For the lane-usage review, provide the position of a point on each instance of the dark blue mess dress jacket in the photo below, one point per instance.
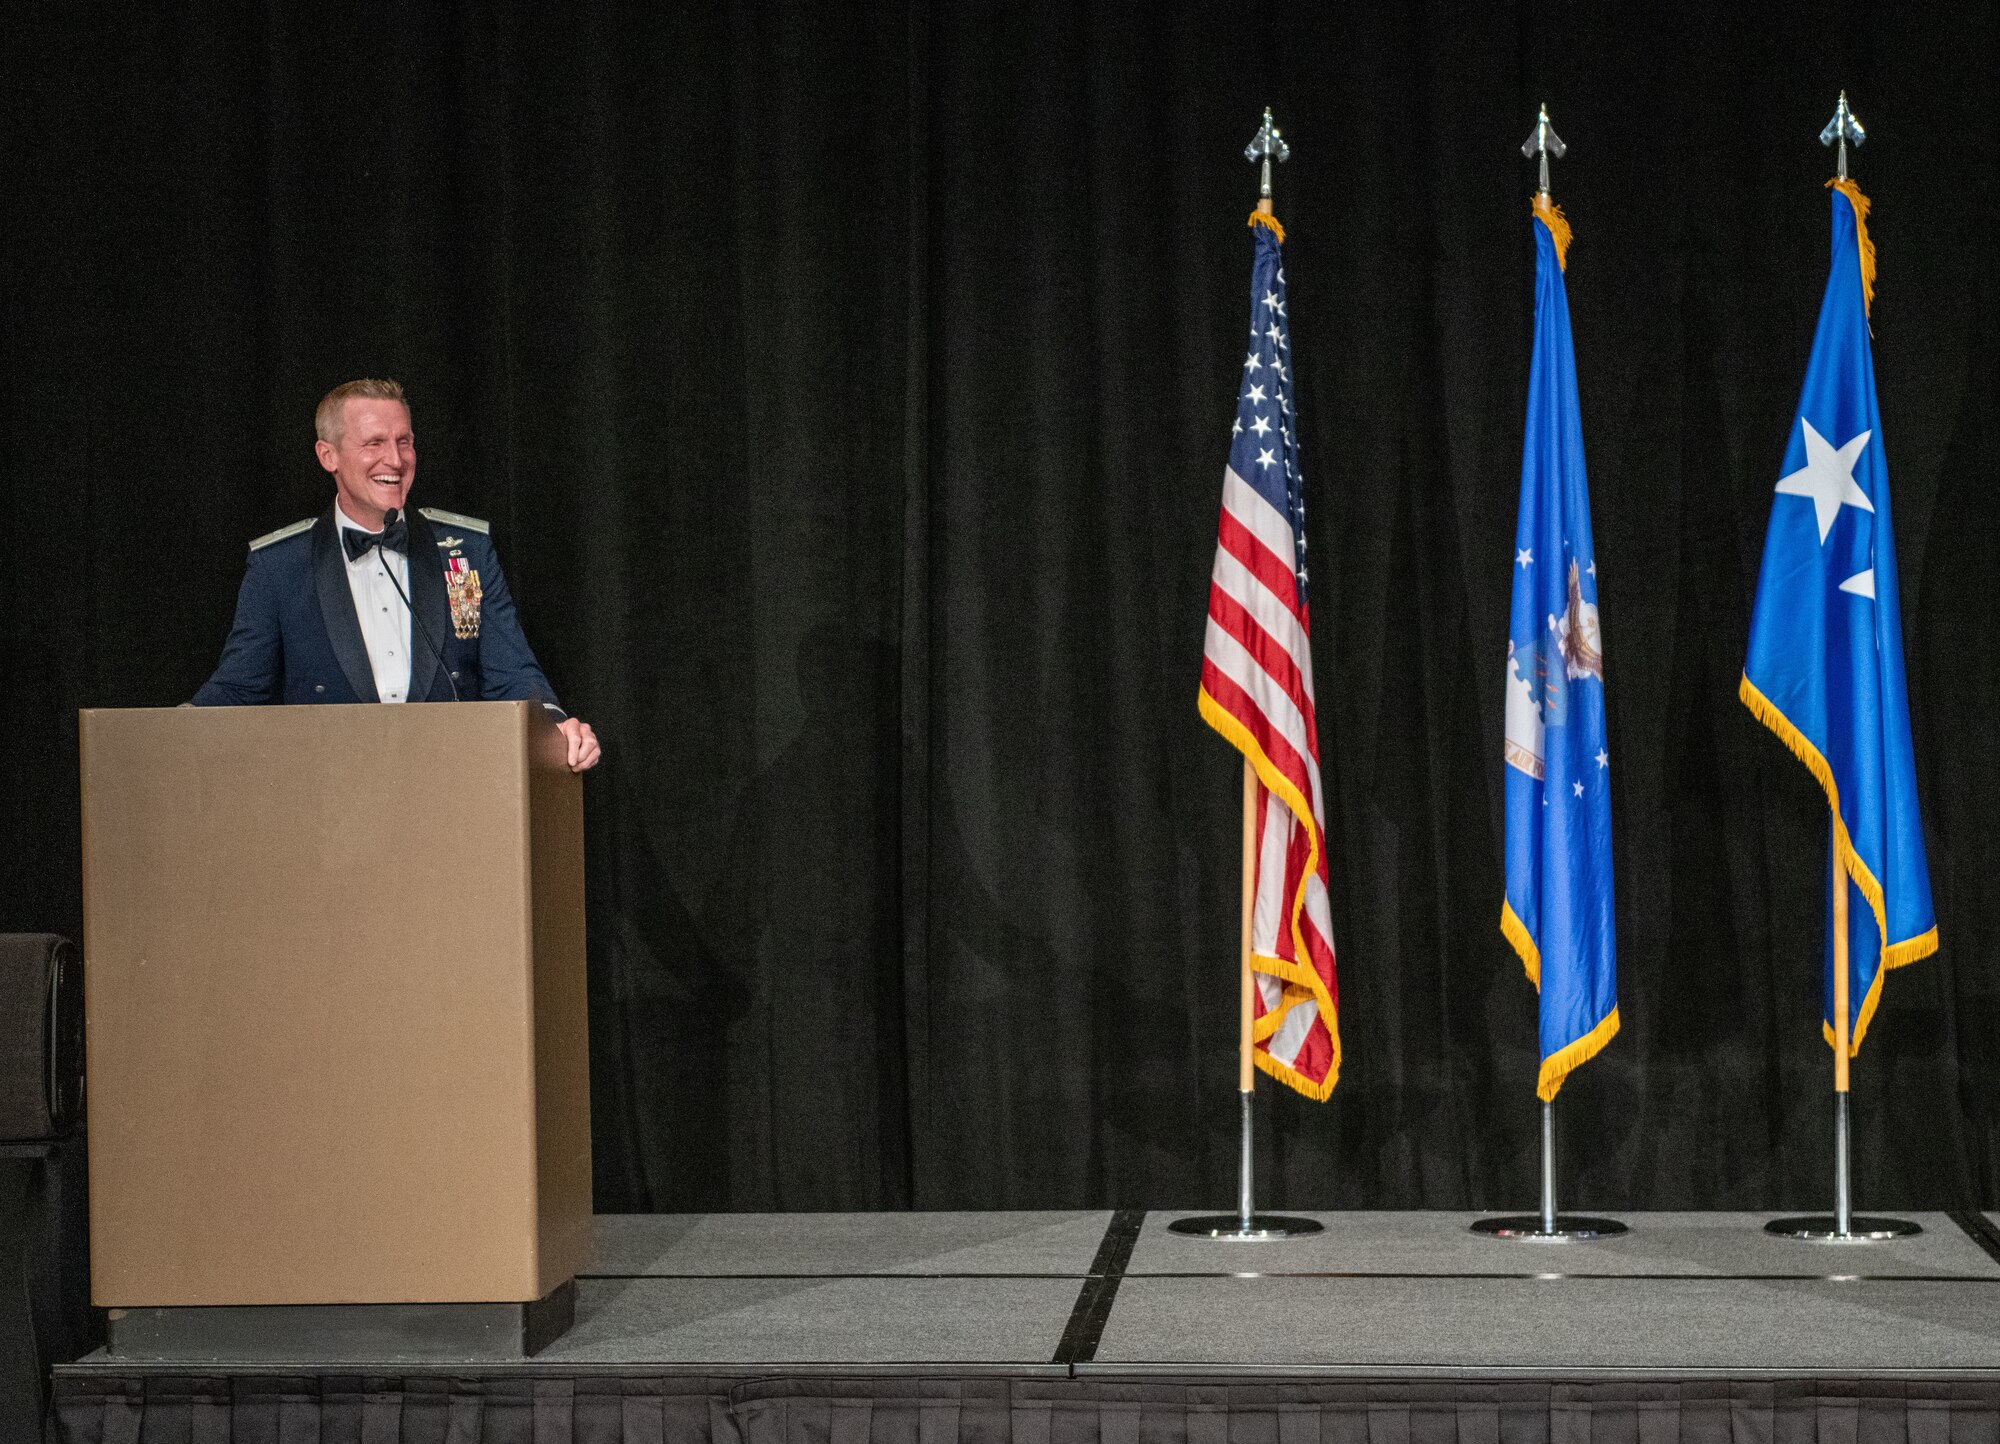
(296, 637)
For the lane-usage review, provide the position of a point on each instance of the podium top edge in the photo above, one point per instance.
(516, 702)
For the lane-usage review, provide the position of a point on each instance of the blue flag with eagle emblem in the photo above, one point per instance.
(1825, 670)
(1558, 910)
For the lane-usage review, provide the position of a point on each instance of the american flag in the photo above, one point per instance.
(1257, 691)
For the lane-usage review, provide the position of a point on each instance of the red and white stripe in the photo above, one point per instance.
(1257, 669)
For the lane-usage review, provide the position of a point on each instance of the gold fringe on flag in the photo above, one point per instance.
(1550, 214)
(1894, 954)
(1301, 980)
(1566, 1060)
(1516, 932)
(1867, 247)
(1265, 218)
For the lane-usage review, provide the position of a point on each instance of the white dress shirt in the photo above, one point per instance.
(385, 620)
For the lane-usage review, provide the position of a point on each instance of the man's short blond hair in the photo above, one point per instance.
(330, 420)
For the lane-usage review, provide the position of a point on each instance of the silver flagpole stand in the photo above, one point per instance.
(1246, 1224)
(1548, 1226)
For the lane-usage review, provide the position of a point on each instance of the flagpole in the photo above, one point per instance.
(1548, 1226)
(1549, 1166)
(1842, 1226)
(1843, 1195)
(1246, 1223)
(1246, 1070)
(1542, 143)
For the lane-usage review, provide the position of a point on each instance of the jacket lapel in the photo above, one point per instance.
(336, 608)
(427, 601)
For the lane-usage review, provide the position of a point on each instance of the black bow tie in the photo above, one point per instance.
(396, 539)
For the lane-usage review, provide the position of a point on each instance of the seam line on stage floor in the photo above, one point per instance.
(1195, 1373)
(1094, 1299)
(932, 1369)
(1542, 1275)
(1979, 1228)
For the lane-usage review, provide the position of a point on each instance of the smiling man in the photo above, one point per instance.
(328, 603)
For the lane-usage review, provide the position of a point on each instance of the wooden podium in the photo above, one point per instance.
(334, 983)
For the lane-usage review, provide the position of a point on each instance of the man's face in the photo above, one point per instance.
(375, 460)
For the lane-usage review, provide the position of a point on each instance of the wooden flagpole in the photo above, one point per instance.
(1843, 1186)
(1246, 1077)
(1841, 1027)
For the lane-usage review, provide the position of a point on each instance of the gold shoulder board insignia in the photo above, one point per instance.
(281, 533)
(452, 518)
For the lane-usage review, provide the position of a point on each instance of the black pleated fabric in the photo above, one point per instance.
(641, 1410)
(330, 1409)
(1089, 1411)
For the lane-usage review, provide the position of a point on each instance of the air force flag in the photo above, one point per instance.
(1825, 670)
(1558, 910)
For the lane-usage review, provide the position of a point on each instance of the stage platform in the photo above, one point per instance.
(732, 1309)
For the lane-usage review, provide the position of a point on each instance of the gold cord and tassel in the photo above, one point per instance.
(1866, 246)
(1550, 214)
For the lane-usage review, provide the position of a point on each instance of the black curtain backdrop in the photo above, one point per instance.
(848, 385)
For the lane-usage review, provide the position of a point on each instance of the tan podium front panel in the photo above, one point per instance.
(334, 979)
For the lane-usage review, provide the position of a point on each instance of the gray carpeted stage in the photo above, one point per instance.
(1380, 1295)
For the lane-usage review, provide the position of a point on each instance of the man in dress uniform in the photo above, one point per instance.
(328, 603)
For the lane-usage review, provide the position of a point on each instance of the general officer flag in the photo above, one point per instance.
(1825, 670)
(1558, 912)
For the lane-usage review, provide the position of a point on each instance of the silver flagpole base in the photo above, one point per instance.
(1825, 1228)
(1533, 1226)
(1245, 1225)
(1548, 1226)
(1843, 1225)
(1232, 1226)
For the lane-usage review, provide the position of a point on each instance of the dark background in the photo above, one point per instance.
(848, 385)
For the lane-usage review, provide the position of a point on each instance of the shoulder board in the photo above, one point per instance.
(452, 518)
(282, 532)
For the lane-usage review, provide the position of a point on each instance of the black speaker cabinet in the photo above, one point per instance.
(41, 1037)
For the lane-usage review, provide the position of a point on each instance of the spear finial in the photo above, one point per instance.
(1544, 142)
(1265, 144)
(1842, 128)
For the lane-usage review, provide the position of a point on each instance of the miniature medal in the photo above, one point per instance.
(461, 587)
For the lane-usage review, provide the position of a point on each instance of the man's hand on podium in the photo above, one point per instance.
(584, 752)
